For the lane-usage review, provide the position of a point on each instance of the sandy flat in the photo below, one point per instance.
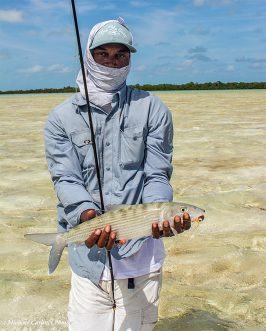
(214, 275)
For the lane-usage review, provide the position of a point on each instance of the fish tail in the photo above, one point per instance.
(55, 240)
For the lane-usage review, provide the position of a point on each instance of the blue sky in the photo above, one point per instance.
(177, 41)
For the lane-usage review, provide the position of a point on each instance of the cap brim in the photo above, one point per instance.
(130, 47)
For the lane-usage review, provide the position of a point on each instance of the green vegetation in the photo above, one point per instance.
(202, 86)
(67, 89)
(160, 87)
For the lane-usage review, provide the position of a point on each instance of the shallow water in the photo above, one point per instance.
(214, 275)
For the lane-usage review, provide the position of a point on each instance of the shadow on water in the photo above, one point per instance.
(196, 320)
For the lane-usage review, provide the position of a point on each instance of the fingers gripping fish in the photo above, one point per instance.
(128, 221)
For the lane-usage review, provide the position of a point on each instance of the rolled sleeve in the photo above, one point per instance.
(158, 157)
(73, 212)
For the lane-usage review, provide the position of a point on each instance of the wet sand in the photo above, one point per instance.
(214, 275)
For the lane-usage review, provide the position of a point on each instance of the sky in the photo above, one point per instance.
(177, 41)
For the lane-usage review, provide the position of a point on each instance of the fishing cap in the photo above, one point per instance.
(114, 31)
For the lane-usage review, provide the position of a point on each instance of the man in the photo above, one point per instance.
(133, 133)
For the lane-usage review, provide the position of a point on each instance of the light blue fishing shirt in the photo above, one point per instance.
(134, 145)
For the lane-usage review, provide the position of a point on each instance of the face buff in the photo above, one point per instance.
(102, 82)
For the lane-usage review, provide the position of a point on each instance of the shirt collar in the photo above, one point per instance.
(121, 96)
(79, 101)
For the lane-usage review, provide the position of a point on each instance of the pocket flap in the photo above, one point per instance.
(81, 139)
(133, 133)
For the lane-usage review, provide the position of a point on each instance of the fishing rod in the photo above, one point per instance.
(88, 103)
(92, 136)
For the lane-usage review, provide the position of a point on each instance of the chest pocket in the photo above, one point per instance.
(132, 147)
(83, 146)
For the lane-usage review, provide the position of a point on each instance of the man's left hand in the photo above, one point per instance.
(180, 224)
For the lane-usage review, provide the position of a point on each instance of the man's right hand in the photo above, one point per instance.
(87, 214)
(100, 237)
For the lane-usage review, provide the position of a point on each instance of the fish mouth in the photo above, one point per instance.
(198, 219)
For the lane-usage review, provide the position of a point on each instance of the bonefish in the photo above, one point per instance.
(129, 222)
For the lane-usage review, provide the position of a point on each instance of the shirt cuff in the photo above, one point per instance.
(73, 216)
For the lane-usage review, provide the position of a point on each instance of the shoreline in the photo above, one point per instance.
(209, 86)
(152, 91)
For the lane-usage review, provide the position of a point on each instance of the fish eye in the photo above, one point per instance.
(183, 209)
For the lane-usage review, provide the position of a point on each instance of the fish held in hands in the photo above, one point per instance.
(128, 221)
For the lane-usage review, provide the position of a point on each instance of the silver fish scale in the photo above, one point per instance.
(121, 220)
(129, 222)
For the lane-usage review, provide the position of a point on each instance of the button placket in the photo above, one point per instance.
(107, 155)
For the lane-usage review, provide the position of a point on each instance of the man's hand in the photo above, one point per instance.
(87, 214)
(180, 225)
(100, 237)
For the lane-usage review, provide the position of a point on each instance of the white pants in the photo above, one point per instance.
(91, 306)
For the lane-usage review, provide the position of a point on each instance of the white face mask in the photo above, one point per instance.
(102, 82)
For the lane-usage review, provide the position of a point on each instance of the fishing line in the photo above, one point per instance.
(97, 167)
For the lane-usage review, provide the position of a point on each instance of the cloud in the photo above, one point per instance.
(162, 43)
(199, 2)
(140, 68)
(89, 7)
(258, 65)
(197, 49)
(230, 68)
(255, 29)
(4, 55)
(254, 63)
(47, 4)
(32, 70)
(86, 7)
(82, 7)
(59, 68)
(11, 16)
(216, 3)
(54, 68)
(66, 32)
(166, 57)
(200, 30)
(158, 25)
(138, 4)
(166, 68)
(250, 60)
(185, 65)
(200, 57)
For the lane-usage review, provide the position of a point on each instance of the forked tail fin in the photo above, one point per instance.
(42, 238)
(55, 240)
